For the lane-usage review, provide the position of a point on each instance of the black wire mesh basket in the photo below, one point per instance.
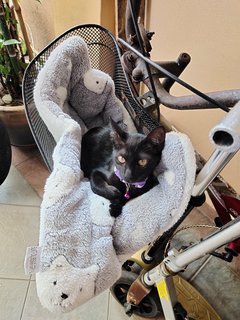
(104, 55)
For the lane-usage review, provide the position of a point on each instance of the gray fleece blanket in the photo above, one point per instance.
(81, 247)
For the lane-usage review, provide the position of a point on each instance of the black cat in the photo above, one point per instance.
(121, 165)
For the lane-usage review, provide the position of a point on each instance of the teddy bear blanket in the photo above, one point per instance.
(81, 247)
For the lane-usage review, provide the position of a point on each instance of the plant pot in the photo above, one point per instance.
(15, 120)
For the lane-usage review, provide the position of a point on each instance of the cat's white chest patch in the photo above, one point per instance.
(169, 176)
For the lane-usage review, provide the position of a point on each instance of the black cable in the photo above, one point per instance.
(176, 79)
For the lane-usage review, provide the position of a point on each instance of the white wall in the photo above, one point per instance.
(210, 32)
(49, 18)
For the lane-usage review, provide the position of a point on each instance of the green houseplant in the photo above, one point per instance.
(15, 53)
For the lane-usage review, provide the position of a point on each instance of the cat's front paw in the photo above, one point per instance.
(115, 208)
(113, 193)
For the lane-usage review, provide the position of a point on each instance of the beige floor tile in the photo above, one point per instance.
(96, 309)
(196, 217)
(19, 227)
(116, 311)
(12, 296)
(16, 190)
(207, 209)
(35, 173)
(20, 154)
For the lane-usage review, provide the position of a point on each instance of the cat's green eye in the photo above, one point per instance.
(121, 159)
(142, 162)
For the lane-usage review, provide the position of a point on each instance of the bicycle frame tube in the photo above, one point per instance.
(221, 156)
(161, 275)
(210, 170)
(176, 262)
(227, 233)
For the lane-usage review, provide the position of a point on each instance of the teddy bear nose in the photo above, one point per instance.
(64, 296)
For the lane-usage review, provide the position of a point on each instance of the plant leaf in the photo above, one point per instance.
(7, 13)
(24, 48)
(4, 69)
(23, 65)
(11, 42)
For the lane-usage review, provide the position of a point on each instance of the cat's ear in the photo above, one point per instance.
(119, 136)
(157, 136)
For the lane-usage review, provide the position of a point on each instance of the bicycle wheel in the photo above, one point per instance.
(149, 307)
(193, 302)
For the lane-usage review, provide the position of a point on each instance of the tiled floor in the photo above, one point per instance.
(20, 198)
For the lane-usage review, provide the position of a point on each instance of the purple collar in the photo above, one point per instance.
(139, 184)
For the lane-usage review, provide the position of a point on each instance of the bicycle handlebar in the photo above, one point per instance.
(219, 99)
(193, 102)
(226, 135)
(137, 42)
(226, 139)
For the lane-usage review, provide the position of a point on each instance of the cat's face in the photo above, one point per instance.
(136, 155)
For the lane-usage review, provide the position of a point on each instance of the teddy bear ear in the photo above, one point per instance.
(59, 262)
(95, 81)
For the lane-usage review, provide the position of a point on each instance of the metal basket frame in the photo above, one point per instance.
(105, 55)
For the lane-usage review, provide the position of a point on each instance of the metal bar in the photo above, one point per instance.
(226, 134)
(166, 289)
(176, 262)
(181, 82)
(129, 24)
(226, 234)
(210, 170)
(168, 296)
(140, 44)
(194, 102)
(137, 68)
(223, 153)
(161, 275)
(182, 61)
(157, 247)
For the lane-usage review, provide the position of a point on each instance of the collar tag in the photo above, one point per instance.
(139, 184)
(127, 194)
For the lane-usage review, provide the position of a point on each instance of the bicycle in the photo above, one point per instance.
(144, 119)
(153, 266)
